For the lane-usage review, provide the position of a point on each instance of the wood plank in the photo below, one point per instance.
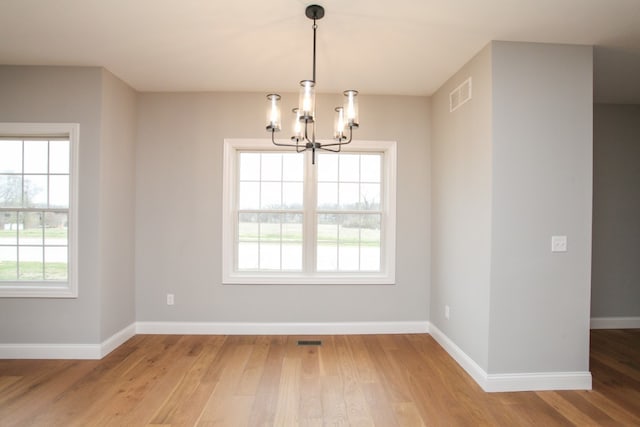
(265, 403)
(134, 384)
(222, 406)
(625, 390)
(334, 409)
(310, 409)
(579, 401)
(364, 365)
(143, 408)
(611, 408)
(34, 395)
(566, 408)
(381, 408)
(408, 414)
(288, 393)
(354, 399)
(6, 382)
(248, 384)
(186, 400)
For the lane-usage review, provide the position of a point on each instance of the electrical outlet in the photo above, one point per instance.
(558, 243)
(447, 312)
(170, 299)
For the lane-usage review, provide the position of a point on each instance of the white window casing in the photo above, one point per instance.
(46, 286)
(309, 273)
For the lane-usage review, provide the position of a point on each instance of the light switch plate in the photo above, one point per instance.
(558, 243)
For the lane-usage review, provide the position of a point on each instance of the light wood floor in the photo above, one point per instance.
(381, 380)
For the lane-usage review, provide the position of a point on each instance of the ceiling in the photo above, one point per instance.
(407, 47)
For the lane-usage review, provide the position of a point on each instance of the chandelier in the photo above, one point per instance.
(304, 125)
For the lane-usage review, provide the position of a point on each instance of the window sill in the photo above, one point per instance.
(37, 290)
(292, 279)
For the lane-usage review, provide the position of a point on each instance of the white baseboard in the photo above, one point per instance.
(512, 382)
(98, 351)
(468, 364)
(615, 323)
(285, 328)
(117, 339)
(67, 351)
(50, 351)
(538, 381)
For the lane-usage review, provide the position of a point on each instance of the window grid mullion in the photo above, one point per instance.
(282, 207)
(44, 261)
(280, 237)
(359, 216)
(259, 215)
(17, 252)
(48, 174)
(22, 204)
(338, 224)
(259, 241)
(309, 237)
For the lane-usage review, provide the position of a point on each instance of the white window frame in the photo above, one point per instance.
(51, 289)
(229, 218)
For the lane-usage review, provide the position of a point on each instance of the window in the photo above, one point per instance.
(38, 193)
(287, 221)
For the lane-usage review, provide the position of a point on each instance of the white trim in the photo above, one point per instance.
(251, 278)
(467, 363)
(538, 381)
(98, 351)
(50, 351)
(67, 351)
(535, 381)
(615, 322)
(117, 339)
(45, 289)
(285, 328)
(229, 191)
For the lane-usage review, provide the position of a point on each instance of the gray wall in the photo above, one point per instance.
(542, 179)
(105, 109)
(68, 95)
(615, 286)
(461, 210)
(117, 203)
(178, 213)
(511, 168)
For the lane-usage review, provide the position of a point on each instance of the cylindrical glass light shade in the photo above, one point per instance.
(338, 127)
(298, 130)
(273, 112)
(351, 107)
(307, 103)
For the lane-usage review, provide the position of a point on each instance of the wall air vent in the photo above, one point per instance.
(460, 95)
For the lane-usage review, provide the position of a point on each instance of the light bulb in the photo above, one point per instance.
(351, 107)
(307, 100)
(273, 112)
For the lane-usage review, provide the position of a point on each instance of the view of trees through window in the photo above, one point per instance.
(34, 209)
(344, 208)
